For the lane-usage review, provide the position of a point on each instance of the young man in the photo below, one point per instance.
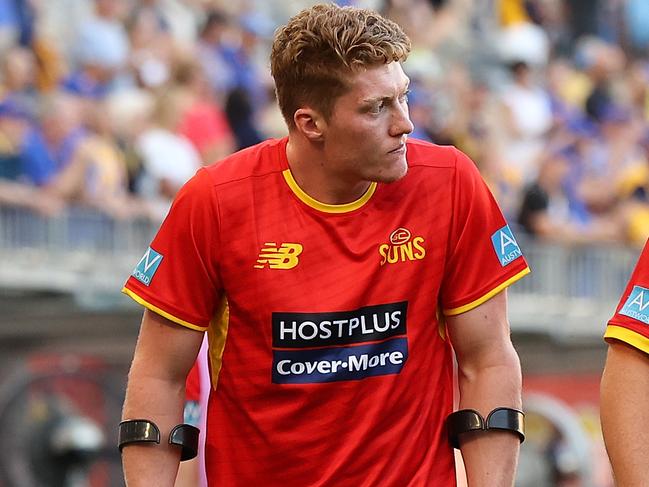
(625, 382)
(332, 270)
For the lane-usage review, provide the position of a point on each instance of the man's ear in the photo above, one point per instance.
(310, 123)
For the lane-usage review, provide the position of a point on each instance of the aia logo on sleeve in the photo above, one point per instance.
(148, 265)
(637, 305)
(505, 245)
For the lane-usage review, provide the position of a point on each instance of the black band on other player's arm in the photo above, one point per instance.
(186, 437)
(501, 419)
(137, 431)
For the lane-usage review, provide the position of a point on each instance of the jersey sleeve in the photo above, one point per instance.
(630, 323)
(178, 275)
(483, 257)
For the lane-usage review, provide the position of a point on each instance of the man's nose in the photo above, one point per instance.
(401, 124)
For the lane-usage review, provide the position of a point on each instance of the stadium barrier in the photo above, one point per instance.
(570, 294)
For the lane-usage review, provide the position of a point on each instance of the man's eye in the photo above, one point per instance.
(404, 98)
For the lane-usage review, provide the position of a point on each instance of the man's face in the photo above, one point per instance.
(365, 135)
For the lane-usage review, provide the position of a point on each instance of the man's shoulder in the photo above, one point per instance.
(255, 161)
(422, 153)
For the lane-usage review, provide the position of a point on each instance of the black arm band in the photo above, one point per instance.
(145, 431)
(137, 431)
(186, 437)
(502, 419)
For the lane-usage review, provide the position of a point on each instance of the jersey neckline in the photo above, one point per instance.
(312, 202)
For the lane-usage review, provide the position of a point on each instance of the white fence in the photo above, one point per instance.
(570, 294)
(82, 253)
(572, 291)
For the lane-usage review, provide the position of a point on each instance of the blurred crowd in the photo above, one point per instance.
(114, 104)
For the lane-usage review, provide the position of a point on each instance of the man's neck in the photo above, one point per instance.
(308, 165)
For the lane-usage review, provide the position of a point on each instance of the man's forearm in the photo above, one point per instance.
(490, 457)
(161, 402)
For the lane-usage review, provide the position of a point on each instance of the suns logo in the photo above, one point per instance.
(402, 247)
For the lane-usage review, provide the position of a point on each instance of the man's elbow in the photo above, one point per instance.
(499, 361)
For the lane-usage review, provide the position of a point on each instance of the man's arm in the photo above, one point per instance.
(489, 377)
(625, 423)
(164, 354)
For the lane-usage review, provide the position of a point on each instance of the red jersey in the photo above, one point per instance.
(630, 323)
(329, 359)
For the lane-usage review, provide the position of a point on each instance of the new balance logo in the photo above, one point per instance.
(283, 257)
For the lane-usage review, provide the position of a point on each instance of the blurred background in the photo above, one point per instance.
(108, 106)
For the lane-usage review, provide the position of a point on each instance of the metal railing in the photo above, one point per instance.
(81, 252)
(572, 290)
(570, 294)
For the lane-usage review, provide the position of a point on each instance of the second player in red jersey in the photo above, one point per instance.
(625, 382)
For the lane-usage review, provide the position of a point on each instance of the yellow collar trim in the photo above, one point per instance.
(313, 203)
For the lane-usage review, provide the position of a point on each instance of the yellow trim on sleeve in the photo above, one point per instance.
(486, 297)
(161, 312)
(327, 208)
(627, 336)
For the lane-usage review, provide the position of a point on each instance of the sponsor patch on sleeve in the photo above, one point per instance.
(505, 245)
(637, 305)
(147, 267)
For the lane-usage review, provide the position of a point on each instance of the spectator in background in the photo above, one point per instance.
(13, 128)
(214, 39)
(530, 119)
(169, 159)
(128, 112)
(101, 51)
(95, 174)
(241, 116)
(603, 63)
(17, 187)
(226, 52)
(547, 212)
(613, 163)
(66, 162)
(61, 121)
(250, 89)
(152, 51)
(90, 171)
(567, 89)
(32, 161)
(175, 18)
(18, 77)
(201, 119)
